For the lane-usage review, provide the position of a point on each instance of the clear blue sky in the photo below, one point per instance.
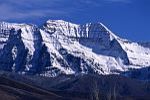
(127, 18)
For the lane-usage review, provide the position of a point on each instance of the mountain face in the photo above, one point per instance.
(61, 47)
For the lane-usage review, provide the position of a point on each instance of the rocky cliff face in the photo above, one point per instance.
(61, 47)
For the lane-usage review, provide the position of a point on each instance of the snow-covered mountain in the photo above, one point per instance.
(61, 47)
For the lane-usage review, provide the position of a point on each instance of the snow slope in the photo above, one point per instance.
(61, 47)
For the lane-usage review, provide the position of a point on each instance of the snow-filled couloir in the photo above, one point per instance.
(61, 47)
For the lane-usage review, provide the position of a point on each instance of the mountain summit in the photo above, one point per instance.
(61, 47)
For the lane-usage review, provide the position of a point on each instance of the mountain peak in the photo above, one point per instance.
(88, 30)
(62, 47)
